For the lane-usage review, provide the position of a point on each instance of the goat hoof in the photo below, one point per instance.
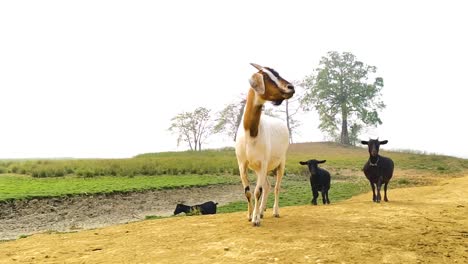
(276, 215)
(261, 216)
(256, 223)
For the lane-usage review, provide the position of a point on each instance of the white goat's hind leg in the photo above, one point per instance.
(265, 193)
(261, 176)
(279, 177)
(245, 184)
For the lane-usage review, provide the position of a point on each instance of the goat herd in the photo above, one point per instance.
(378, 170)
(262, 143)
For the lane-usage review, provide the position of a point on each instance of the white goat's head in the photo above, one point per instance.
(270, 86)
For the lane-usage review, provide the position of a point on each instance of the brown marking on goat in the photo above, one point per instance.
(252, 114)
(259, 193)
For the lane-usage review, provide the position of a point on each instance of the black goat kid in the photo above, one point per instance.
(319, 180)
(378, 169)
(204, 208)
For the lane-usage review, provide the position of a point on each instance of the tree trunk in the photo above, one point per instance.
(287, 122)
(239, 117)
(344, 127)
(189, 142)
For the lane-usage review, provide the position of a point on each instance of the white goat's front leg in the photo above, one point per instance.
(279, 177)
(261, 178)
(245, 184)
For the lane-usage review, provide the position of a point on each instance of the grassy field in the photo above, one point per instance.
(297, 192)
(25, 187)
(222, 162)
(27, 179)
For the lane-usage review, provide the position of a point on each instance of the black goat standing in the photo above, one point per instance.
(204, 208)
(319, 180)
(378, 169)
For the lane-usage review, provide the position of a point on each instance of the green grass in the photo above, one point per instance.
(154, 217)
(48, 178)
(299, 193)
(20, 186)
(167, 163)
(296, 193)
(341, 157)
(221, 162)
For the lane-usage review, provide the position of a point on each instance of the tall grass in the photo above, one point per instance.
(171, 163)
(223, 162)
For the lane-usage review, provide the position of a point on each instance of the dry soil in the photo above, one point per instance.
(419, 225)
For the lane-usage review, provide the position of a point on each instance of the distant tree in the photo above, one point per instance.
(354, 134)
(192, 127)
(291, 108)
(342, 94)
(228, 119)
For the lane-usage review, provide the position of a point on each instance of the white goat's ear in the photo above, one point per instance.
(257, 83)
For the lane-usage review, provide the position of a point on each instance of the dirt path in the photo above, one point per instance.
(92, 211)
(418, 225)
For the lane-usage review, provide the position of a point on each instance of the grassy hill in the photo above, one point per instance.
(49, 178)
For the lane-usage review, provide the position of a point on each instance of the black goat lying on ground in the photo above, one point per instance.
(378, 169)
(204, 208)
(319, 180)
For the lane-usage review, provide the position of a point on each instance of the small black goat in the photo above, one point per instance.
(319, 180)
(378, 169)
(204, 208)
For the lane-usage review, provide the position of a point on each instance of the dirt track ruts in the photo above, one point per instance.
(63, 214)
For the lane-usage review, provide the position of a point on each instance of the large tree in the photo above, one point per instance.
(345, 94)
(192, 127)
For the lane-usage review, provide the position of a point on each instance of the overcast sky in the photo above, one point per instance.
(104, 78)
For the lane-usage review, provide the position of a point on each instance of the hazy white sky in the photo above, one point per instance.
(103, 78)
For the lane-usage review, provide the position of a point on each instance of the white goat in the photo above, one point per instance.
(262, 141)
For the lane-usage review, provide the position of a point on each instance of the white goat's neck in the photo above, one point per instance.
(252, 113)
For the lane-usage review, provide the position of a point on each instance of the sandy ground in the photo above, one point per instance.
(418, 225)
(25, 217)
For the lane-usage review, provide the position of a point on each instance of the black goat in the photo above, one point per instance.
(378, 169)
(319, 180)
(204, 208)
